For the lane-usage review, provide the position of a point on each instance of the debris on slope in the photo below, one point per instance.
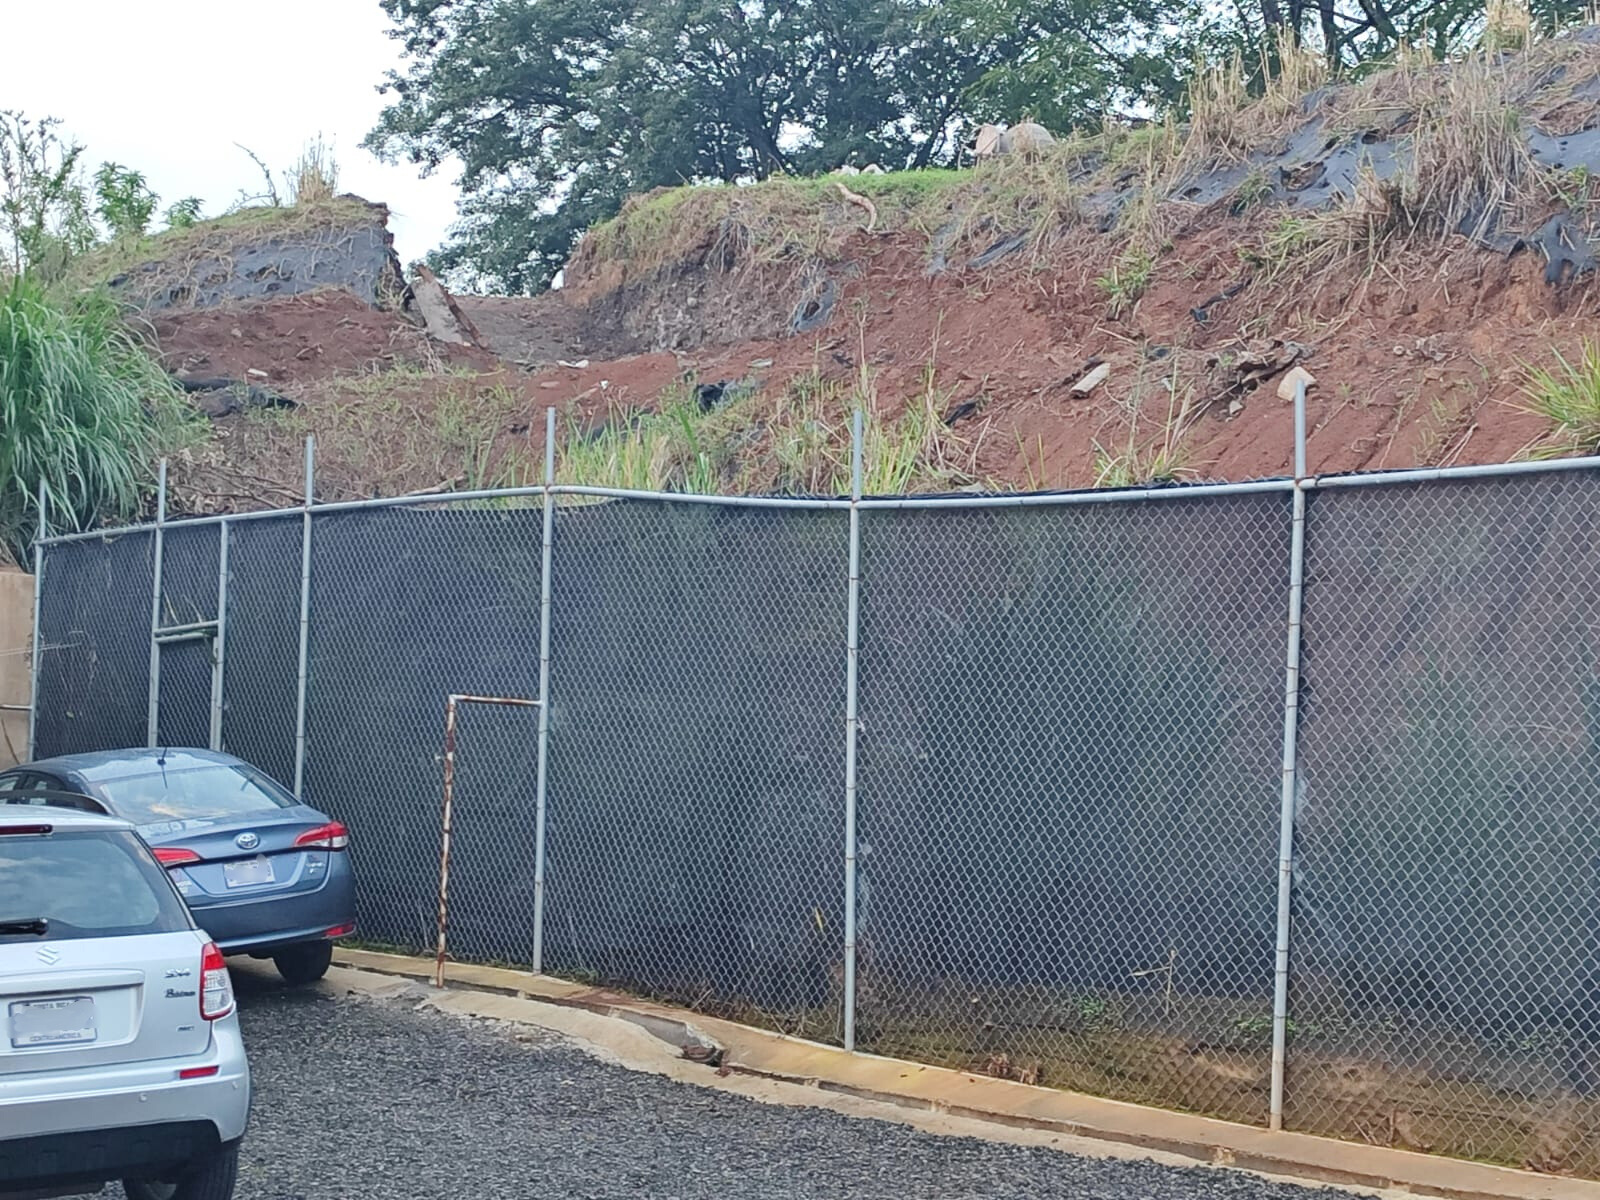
(441, 315)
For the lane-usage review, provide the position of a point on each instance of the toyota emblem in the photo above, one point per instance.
(247, 841)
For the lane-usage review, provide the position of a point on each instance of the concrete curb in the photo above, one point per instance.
(774, 1056)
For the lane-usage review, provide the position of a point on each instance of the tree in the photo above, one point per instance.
(559, 109)
(126, 202)
(44, 205)
(1353, 34)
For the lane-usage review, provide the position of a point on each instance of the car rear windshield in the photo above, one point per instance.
(209, 793)
(84, 884)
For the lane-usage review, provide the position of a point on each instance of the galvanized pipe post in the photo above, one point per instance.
(305, 620)
(35, 662)
(446, 827)
(852, 664)
(1291, 732)
(219, 645)
(153, 701)
(541, 792)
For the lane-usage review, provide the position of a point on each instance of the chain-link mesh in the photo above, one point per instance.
(261, 658)
(94, 661)
(1447, 901)
(1072, 728)
(189, 574)
(410, 606)
(493, 831)
(697, 757)
(189, 558)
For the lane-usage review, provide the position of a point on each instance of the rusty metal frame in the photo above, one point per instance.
(452, 704)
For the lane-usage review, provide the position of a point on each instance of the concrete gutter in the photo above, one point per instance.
(729, 1047)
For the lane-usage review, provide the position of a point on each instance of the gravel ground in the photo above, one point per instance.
(362, 1098)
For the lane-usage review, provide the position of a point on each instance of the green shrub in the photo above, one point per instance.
(83, 410)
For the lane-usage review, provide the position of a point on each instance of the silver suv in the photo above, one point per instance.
(120, 1054)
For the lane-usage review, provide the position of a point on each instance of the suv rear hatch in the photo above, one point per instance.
(100, 962)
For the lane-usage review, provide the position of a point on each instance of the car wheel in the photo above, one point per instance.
(210, 1179)
(305, 963)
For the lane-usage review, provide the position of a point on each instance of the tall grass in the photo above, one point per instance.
(1567, 395)
(790, 441)
(82, 410)
(314, 176)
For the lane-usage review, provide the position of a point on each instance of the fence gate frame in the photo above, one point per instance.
(213, 631)
(452, 705)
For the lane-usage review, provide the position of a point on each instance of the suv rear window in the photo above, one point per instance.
(85, 884)
(206, 793)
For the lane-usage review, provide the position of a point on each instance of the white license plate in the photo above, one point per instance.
(251, 873)
(65, 1022)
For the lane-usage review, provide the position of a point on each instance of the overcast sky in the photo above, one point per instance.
(168, 86)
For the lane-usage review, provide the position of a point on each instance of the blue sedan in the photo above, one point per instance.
(263, 874)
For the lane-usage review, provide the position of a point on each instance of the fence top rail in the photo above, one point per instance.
(1441, 474)
(826, 504)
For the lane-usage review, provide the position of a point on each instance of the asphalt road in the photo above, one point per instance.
(369, 1098)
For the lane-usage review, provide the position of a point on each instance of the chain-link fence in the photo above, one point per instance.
(1068, 817)
(1059, 803)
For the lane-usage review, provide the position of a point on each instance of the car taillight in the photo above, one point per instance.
(216, 988)
(332, 836)
(175, 856)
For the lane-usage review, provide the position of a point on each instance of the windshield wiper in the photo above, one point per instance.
(34, 925)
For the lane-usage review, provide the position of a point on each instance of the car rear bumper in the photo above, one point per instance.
(259, 926)
(101, 1123)
(52, 1163)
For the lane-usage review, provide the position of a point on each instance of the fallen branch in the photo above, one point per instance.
(861, 201)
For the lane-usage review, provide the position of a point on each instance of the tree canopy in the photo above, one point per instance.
(557, 110)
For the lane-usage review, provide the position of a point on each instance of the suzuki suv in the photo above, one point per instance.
(120, 1055)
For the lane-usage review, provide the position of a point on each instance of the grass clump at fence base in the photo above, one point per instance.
(83, 408)
(1567, 395)
(795, 440)
(402, 430)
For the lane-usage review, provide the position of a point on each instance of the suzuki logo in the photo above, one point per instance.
(247, 841)
(48, 955)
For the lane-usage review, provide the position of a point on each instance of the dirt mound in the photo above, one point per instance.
(253, 254)
(534, 332)
(298, 340)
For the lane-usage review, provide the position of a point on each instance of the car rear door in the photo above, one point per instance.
(99, 961)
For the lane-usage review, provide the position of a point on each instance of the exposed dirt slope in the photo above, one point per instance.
(1416, 241)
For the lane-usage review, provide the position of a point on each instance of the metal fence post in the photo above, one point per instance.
(35, 663)
(153, 701)
(305, 620)
(852, 657)
(1291, 731)
(219, 647)
(544, 691)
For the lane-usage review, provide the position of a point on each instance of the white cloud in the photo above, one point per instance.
(169, 86)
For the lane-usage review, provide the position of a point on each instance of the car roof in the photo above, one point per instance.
(99, 765)
(60, 819)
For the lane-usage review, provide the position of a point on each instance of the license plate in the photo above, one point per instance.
(250, 873)
(65, 1022)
